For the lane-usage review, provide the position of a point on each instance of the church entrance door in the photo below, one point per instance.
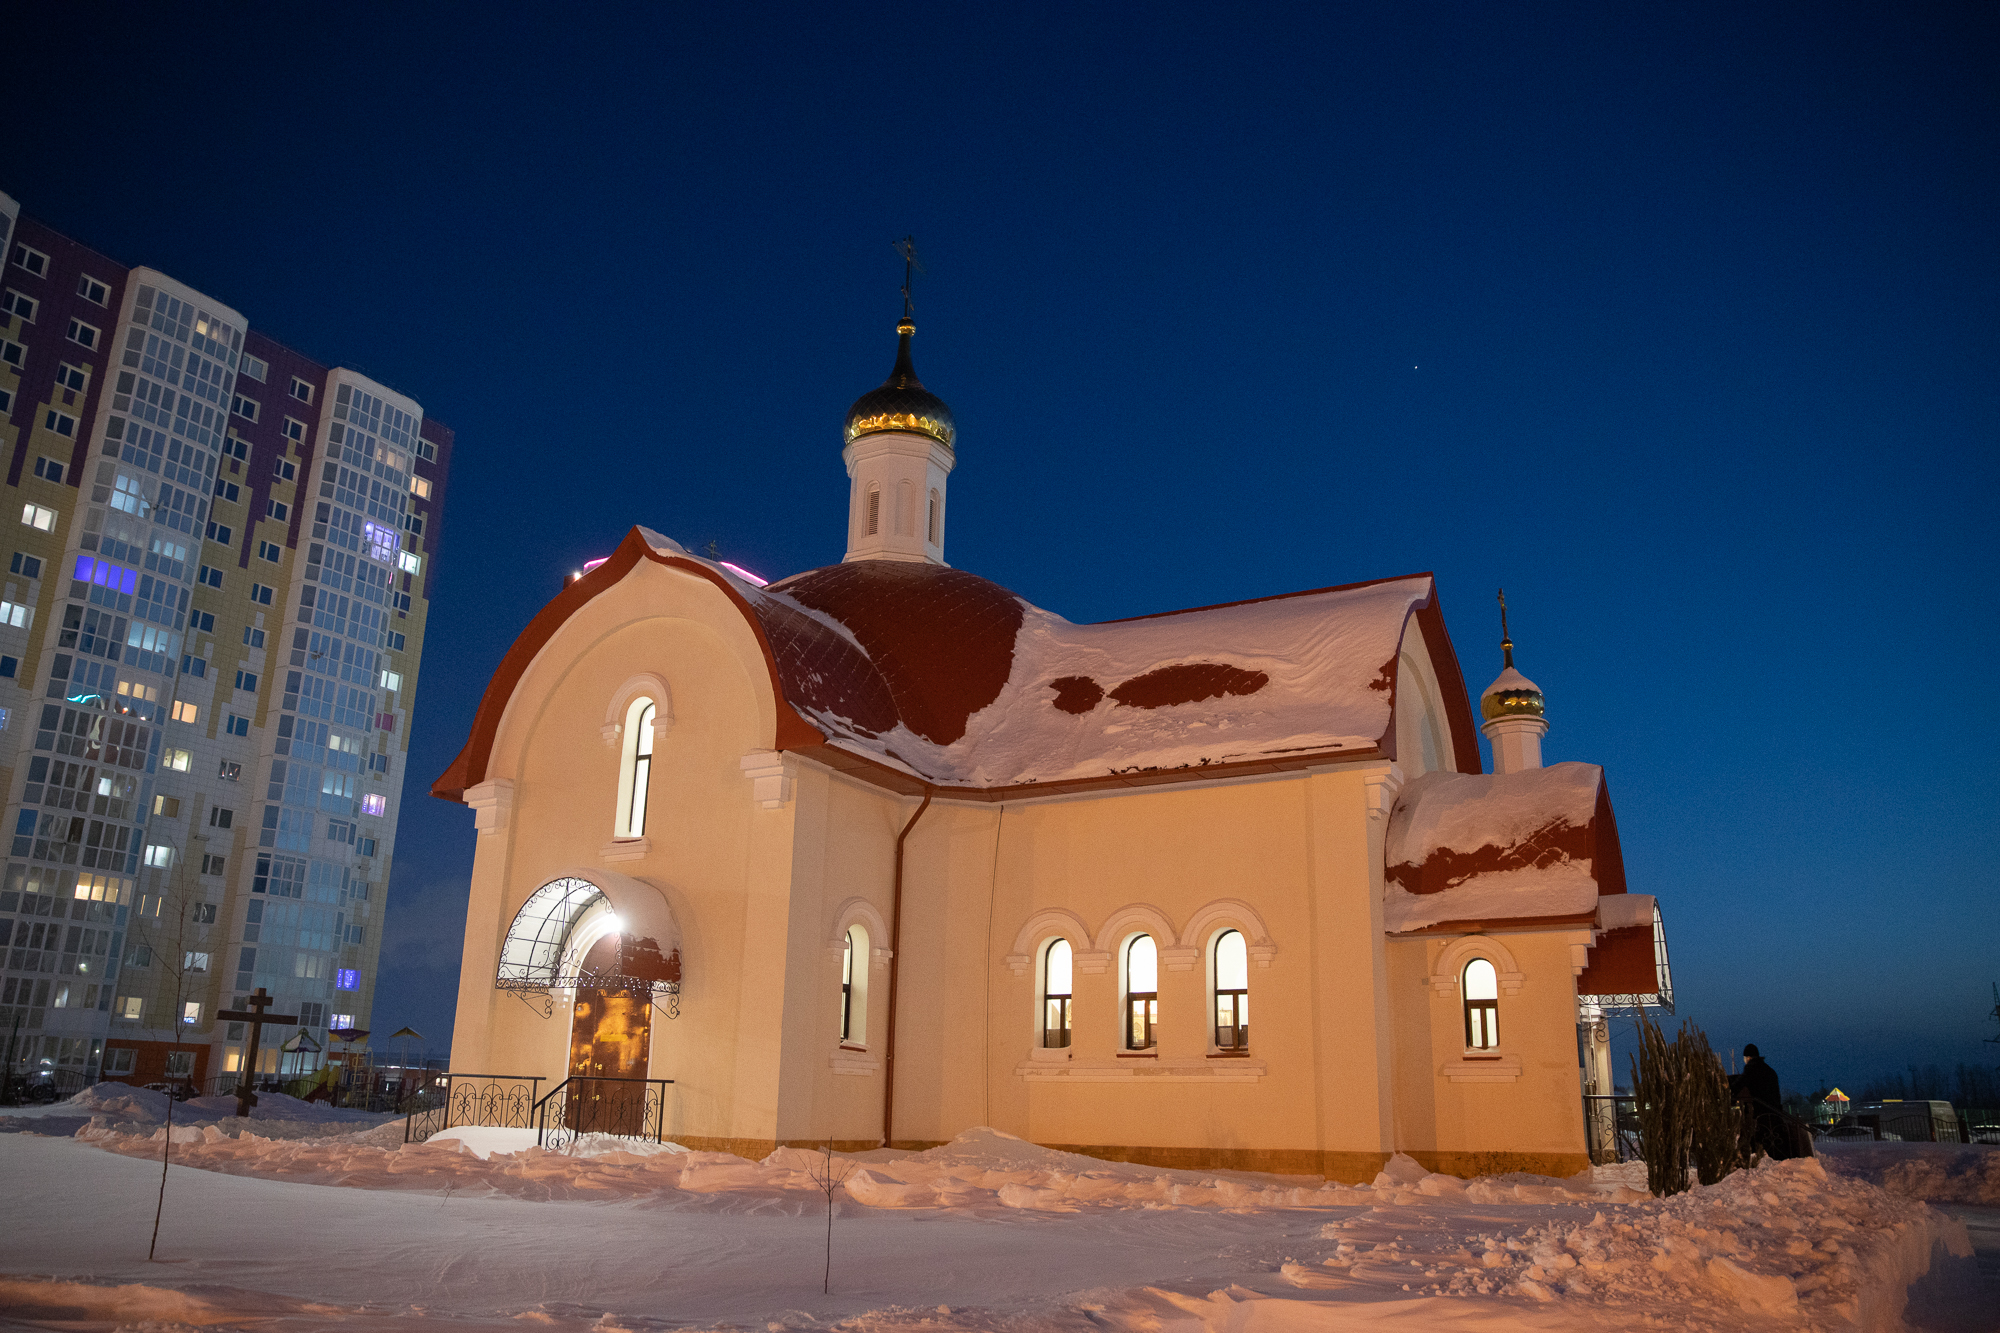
(610, 1033)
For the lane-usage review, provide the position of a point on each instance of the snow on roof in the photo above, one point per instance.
(959, 681)
(1471, 847)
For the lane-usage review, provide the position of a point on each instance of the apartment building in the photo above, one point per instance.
(211, 628)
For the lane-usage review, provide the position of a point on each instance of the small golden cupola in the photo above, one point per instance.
(1513, 709)
(899, 449)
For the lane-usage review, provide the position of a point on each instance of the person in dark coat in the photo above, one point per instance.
(1757, 1088)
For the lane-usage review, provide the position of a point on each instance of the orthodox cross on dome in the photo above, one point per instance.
(256, 1018)
(1506, 642)
(907, 248)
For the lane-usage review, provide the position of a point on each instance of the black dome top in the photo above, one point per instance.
(902, 403)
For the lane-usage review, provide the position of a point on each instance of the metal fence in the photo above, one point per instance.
(629, 1107)
(505, 1101)
(1611, 1129)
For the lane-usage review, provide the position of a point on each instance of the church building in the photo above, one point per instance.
(882, 851)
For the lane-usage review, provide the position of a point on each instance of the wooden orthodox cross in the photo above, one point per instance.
(256, 1018)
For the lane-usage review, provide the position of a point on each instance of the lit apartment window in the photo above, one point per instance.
(190, 1014)
(16, 615)
(38, 518)
(179, 761)
(854, 955)
(409, 562)
(131, 1008)
(185, 711)
(159, 855)
(420, 487)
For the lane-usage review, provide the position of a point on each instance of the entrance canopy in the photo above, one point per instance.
(541, 953)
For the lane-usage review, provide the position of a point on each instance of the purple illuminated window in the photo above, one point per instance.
(89, 569)
(347, 978)
(374, 805)
(382, 542)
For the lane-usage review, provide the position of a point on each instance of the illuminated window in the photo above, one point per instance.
(35, 516)
(1481, 987)
(410, 562)
(190, 1013)
(1232, 992)
(874, 510)
(1142, 993)
(420, 487)
(374, 804)
(854, 987)
(636, 771)
(347, 978)
(1056, 971)
(341, 1022)
(185, 711)
(177, 760)
(130, 1008)
(17, 614)
(194, 962)
(159, 855)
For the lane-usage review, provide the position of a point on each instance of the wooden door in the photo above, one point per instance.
(610, 1032)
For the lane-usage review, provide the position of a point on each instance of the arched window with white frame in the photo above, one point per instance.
(1142, 993)
(635, 769)
(1232, 992)
(854, 987)
(1480, 984)
(1057, 970)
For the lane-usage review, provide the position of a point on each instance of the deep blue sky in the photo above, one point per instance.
(1679, 322)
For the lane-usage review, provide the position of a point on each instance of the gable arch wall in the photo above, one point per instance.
(1423, 732)
(718, 859)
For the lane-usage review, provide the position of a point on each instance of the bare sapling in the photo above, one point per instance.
(829, 1173)
(174, 957)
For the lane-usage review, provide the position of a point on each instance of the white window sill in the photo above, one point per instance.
(1482, 1068)
(626, 849)
(846, 1060)
(1149, 1069)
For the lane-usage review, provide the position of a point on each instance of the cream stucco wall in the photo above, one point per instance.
(1346, 1034)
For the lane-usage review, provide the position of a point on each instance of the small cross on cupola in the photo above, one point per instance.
(1513, 711)
(900, 448)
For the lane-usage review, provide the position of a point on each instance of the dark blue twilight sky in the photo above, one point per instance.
(1679, 321)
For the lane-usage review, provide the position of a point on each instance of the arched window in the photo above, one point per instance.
(1232, 992)
(874, 510)
(1056, 971)
(1142, 993)
(635, 773)
(1480, 985)
(933, 528)
(854, 987)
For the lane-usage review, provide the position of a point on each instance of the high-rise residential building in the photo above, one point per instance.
(210, 636)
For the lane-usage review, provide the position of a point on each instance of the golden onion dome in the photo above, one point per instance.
(902, 403)
(1511, 695)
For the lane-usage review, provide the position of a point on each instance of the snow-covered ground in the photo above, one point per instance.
(344, 1226)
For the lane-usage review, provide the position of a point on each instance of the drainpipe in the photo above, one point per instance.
(895, 967)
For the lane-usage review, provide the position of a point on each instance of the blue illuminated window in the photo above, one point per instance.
(348, 978)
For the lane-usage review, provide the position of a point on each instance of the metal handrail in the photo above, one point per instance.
(658, 1110)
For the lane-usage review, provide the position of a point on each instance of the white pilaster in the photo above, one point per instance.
(1517, 742)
